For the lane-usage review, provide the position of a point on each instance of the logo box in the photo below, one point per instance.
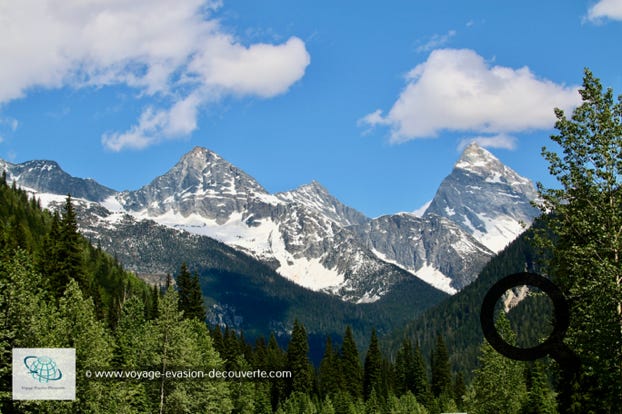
(44, 373)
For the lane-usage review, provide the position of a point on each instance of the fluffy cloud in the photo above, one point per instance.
(457, 90)
(180, 54)
(611, 9)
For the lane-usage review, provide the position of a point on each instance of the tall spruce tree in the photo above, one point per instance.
(330, 378)
(183, 283)
(276, 360)
(372, 369)
(351, 365)
(411, 373)
(298, 360)
(540, 396)
(70, 249)
(441, 370)
(195, 308)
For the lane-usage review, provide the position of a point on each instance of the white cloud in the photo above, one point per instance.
(457, 90)
(503, 141)
(157, 125)
(181, 55)
(436, 41)
(611, 9)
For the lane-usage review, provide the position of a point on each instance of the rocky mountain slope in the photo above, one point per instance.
(306, 235)
(486, 198)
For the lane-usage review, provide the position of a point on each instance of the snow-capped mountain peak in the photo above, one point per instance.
(486, 198)
(317, 198)
(306, 234)
(478, 160)
(201, 183)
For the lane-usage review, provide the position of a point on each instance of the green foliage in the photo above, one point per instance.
(190, 296)
(457, 318)
(298, 360)
(499, 383)
(330, 378)
(372, 371)
(441, 371)
(586, 243)
(351, 365)
(540, 396)
(406, 404)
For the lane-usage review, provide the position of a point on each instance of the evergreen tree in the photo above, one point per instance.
(372, 369)
(190, 295)
(586, 262)
(183, 284)
(540, 397)
(231, 349)
(351, 365)
(404, 368)
(406, 404)
(499, 382)
(51, 259)
(77, 327)
(70, 249)
(217, 338)
(178, 343)
(411, 374)
(298, 360)
(329, 375)
(276, 360)
(441, 371)
(195, 307)
(459, 389)
(132, 354)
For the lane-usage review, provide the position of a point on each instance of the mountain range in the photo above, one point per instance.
(305, 235)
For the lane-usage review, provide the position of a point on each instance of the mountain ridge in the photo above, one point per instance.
(306, 234)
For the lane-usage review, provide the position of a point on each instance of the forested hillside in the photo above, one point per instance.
(58, 291)
(457, 318)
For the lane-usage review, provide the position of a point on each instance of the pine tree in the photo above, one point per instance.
(51, 260)
(540, 397)
(70, 249)
(441, 370)
(372, 369)
(218, 340)
(586, 225)
(183, 284)
(276, 360)
(406, 404)
(195, 307)
(411, 373)
(351, 365)
(298, 360)
(499, 382)
(329, 375)
(459, 389)
(178, 343)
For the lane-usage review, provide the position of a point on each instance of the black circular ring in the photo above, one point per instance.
(553, 344)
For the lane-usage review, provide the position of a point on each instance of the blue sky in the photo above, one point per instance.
(373, 100)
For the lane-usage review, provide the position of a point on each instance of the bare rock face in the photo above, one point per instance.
(200, 183)
(432, 242)
(47, 177)
(485, 198)
(307, 235)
